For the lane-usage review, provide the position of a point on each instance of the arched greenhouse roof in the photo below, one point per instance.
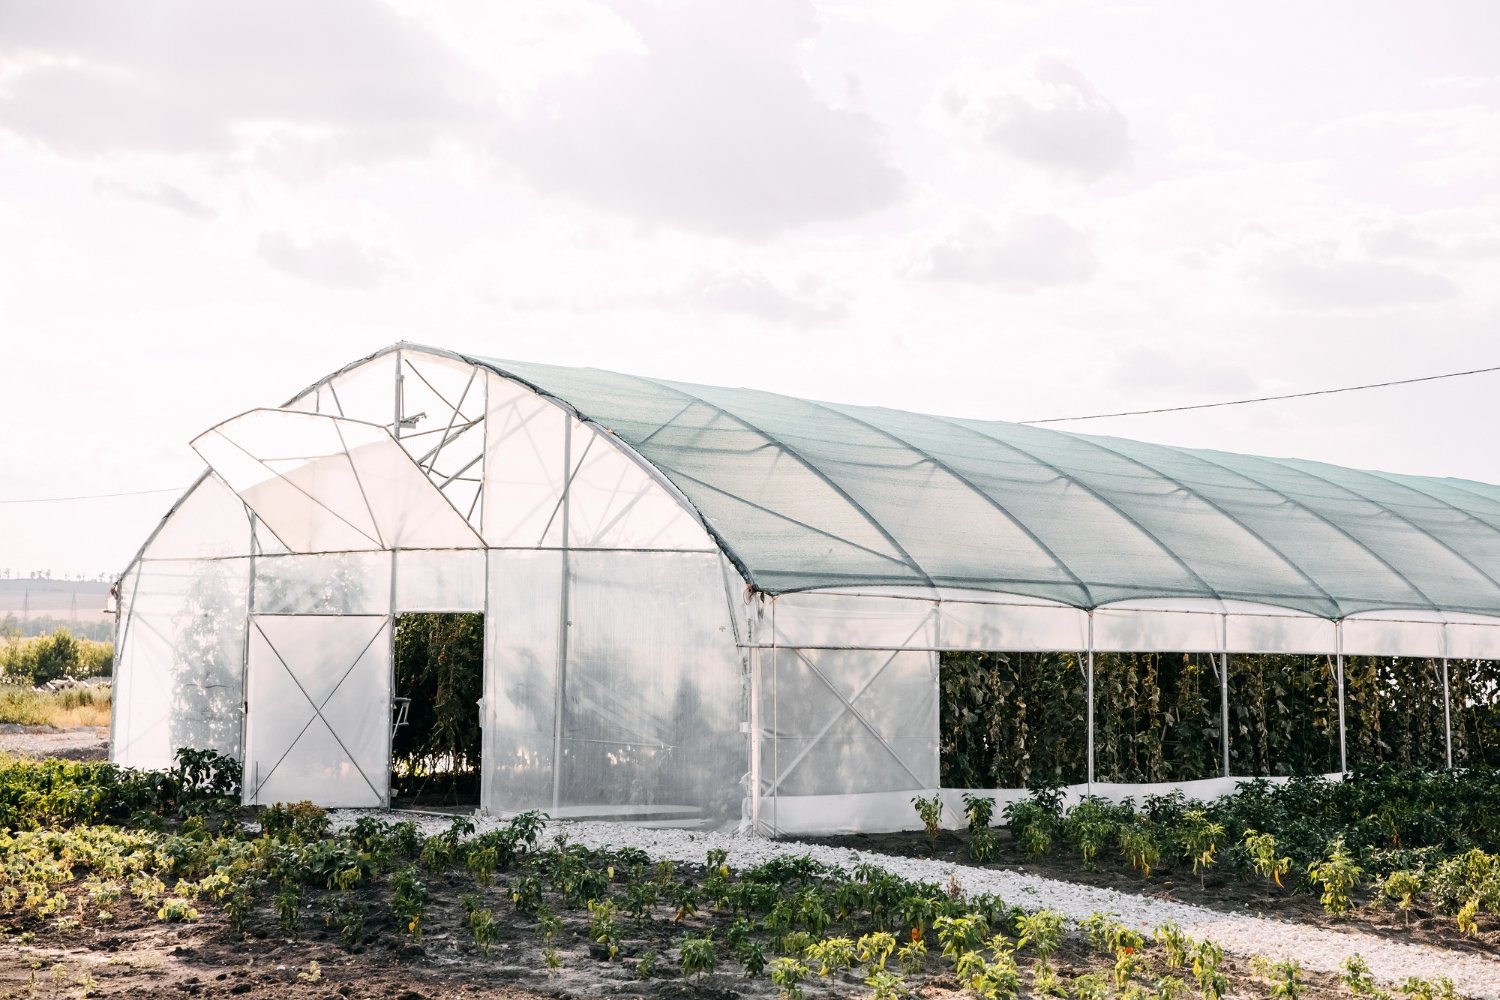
(805, 495)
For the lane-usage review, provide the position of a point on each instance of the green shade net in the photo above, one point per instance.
(805, 495)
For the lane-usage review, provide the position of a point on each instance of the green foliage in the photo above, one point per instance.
(912, 956)
(1201, 837)
(886, 985)
(980, 812)
(409, 901)
(699, 957)
(1041, 931)
(1261, 847)
(876, 948)
(1337, 876)
(1208, 959)
(439, 666)
(52, 657)
(788, 975)
(1033, 821)
(1175, 945)
(930, 812)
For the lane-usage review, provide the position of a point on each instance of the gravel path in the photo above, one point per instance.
(1246, 935)
(85, 743)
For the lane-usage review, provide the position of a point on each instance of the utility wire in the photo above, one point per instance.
(96, 496)
(1264, 399)
(1049, 420)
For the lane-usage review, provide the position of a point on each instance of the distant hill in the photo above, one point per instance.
(42, 605)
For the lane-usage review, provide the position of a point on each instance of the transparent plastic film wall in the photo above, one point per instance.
(258, 619)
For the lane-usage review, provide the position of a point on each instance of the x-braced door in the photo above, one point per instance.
(318, 712)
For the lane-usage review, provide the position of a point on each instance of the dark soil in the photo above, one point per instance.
(1221, 890)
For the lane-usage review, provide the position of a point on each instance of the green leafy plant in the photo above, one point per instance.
(1139, 846)
(1201, 838)
(1337, 876)
(699, 956)
(1261, 847)
(645, 966)
(1402, 887)
(1208, 960)
(1175, 945)
(831, 955)
(788, 975)
(886, 985)
(912, 956)
(175, 911)
(1041, 931)
(409, 901)
(875, 948)
(930, 812)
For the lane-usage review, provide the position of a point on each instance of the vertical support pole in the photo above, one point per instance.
(775, 722)
(1447, 716)
(390, 618)
(1338, 636)
(753, 637)
(245, 792)
(1090, 687)
(1224, 690)
(560, 690)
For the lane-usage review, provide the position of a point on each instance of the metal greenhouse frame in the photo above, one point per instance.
(721, 606)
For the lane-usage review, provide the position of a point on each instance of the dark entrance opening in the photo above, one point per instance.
(435, 746)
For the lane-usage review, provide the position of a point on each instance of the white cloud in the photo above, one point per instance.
(1322, 275)
(750, 293)
(1023, 253)
(95, 76)
(1045, 113)
(1402, 237)
(162, 195)
(710, 125)
(334, 261)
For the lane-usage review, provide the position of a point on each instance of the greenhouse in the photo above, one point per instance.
(717, 607)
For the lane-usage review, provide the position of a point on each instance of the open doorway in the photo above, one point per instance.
(435, 743)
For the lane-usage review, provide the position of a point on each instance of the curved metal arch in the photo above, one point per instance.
(1404, 520)
(1340, 529)
(1124, 514)
(807, 464)
(1223, 511)
(969, 485)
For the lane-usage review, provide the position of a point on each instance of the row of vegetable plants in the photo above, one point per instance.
(1380, 837)
(792, 920)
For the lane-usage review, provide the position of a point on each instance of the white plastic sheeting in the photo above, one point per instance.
(182, 632)
(325, 484)
(948, 619)
(319, 695)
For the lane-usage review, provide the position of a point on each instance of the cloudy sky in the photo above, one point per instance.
(1007, 210)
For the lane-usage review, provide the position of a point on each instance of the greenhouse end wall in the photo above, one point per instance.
(256, 620)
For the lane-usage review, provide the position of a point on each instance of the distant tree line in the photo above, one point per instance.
(102, 630)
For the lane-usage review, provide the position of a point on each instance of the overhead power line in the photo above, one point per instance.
(1264, 399)
(97, 496)
(1048, 420)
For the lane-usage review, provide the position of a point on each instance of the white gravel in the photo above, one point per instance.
(1246, 935)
